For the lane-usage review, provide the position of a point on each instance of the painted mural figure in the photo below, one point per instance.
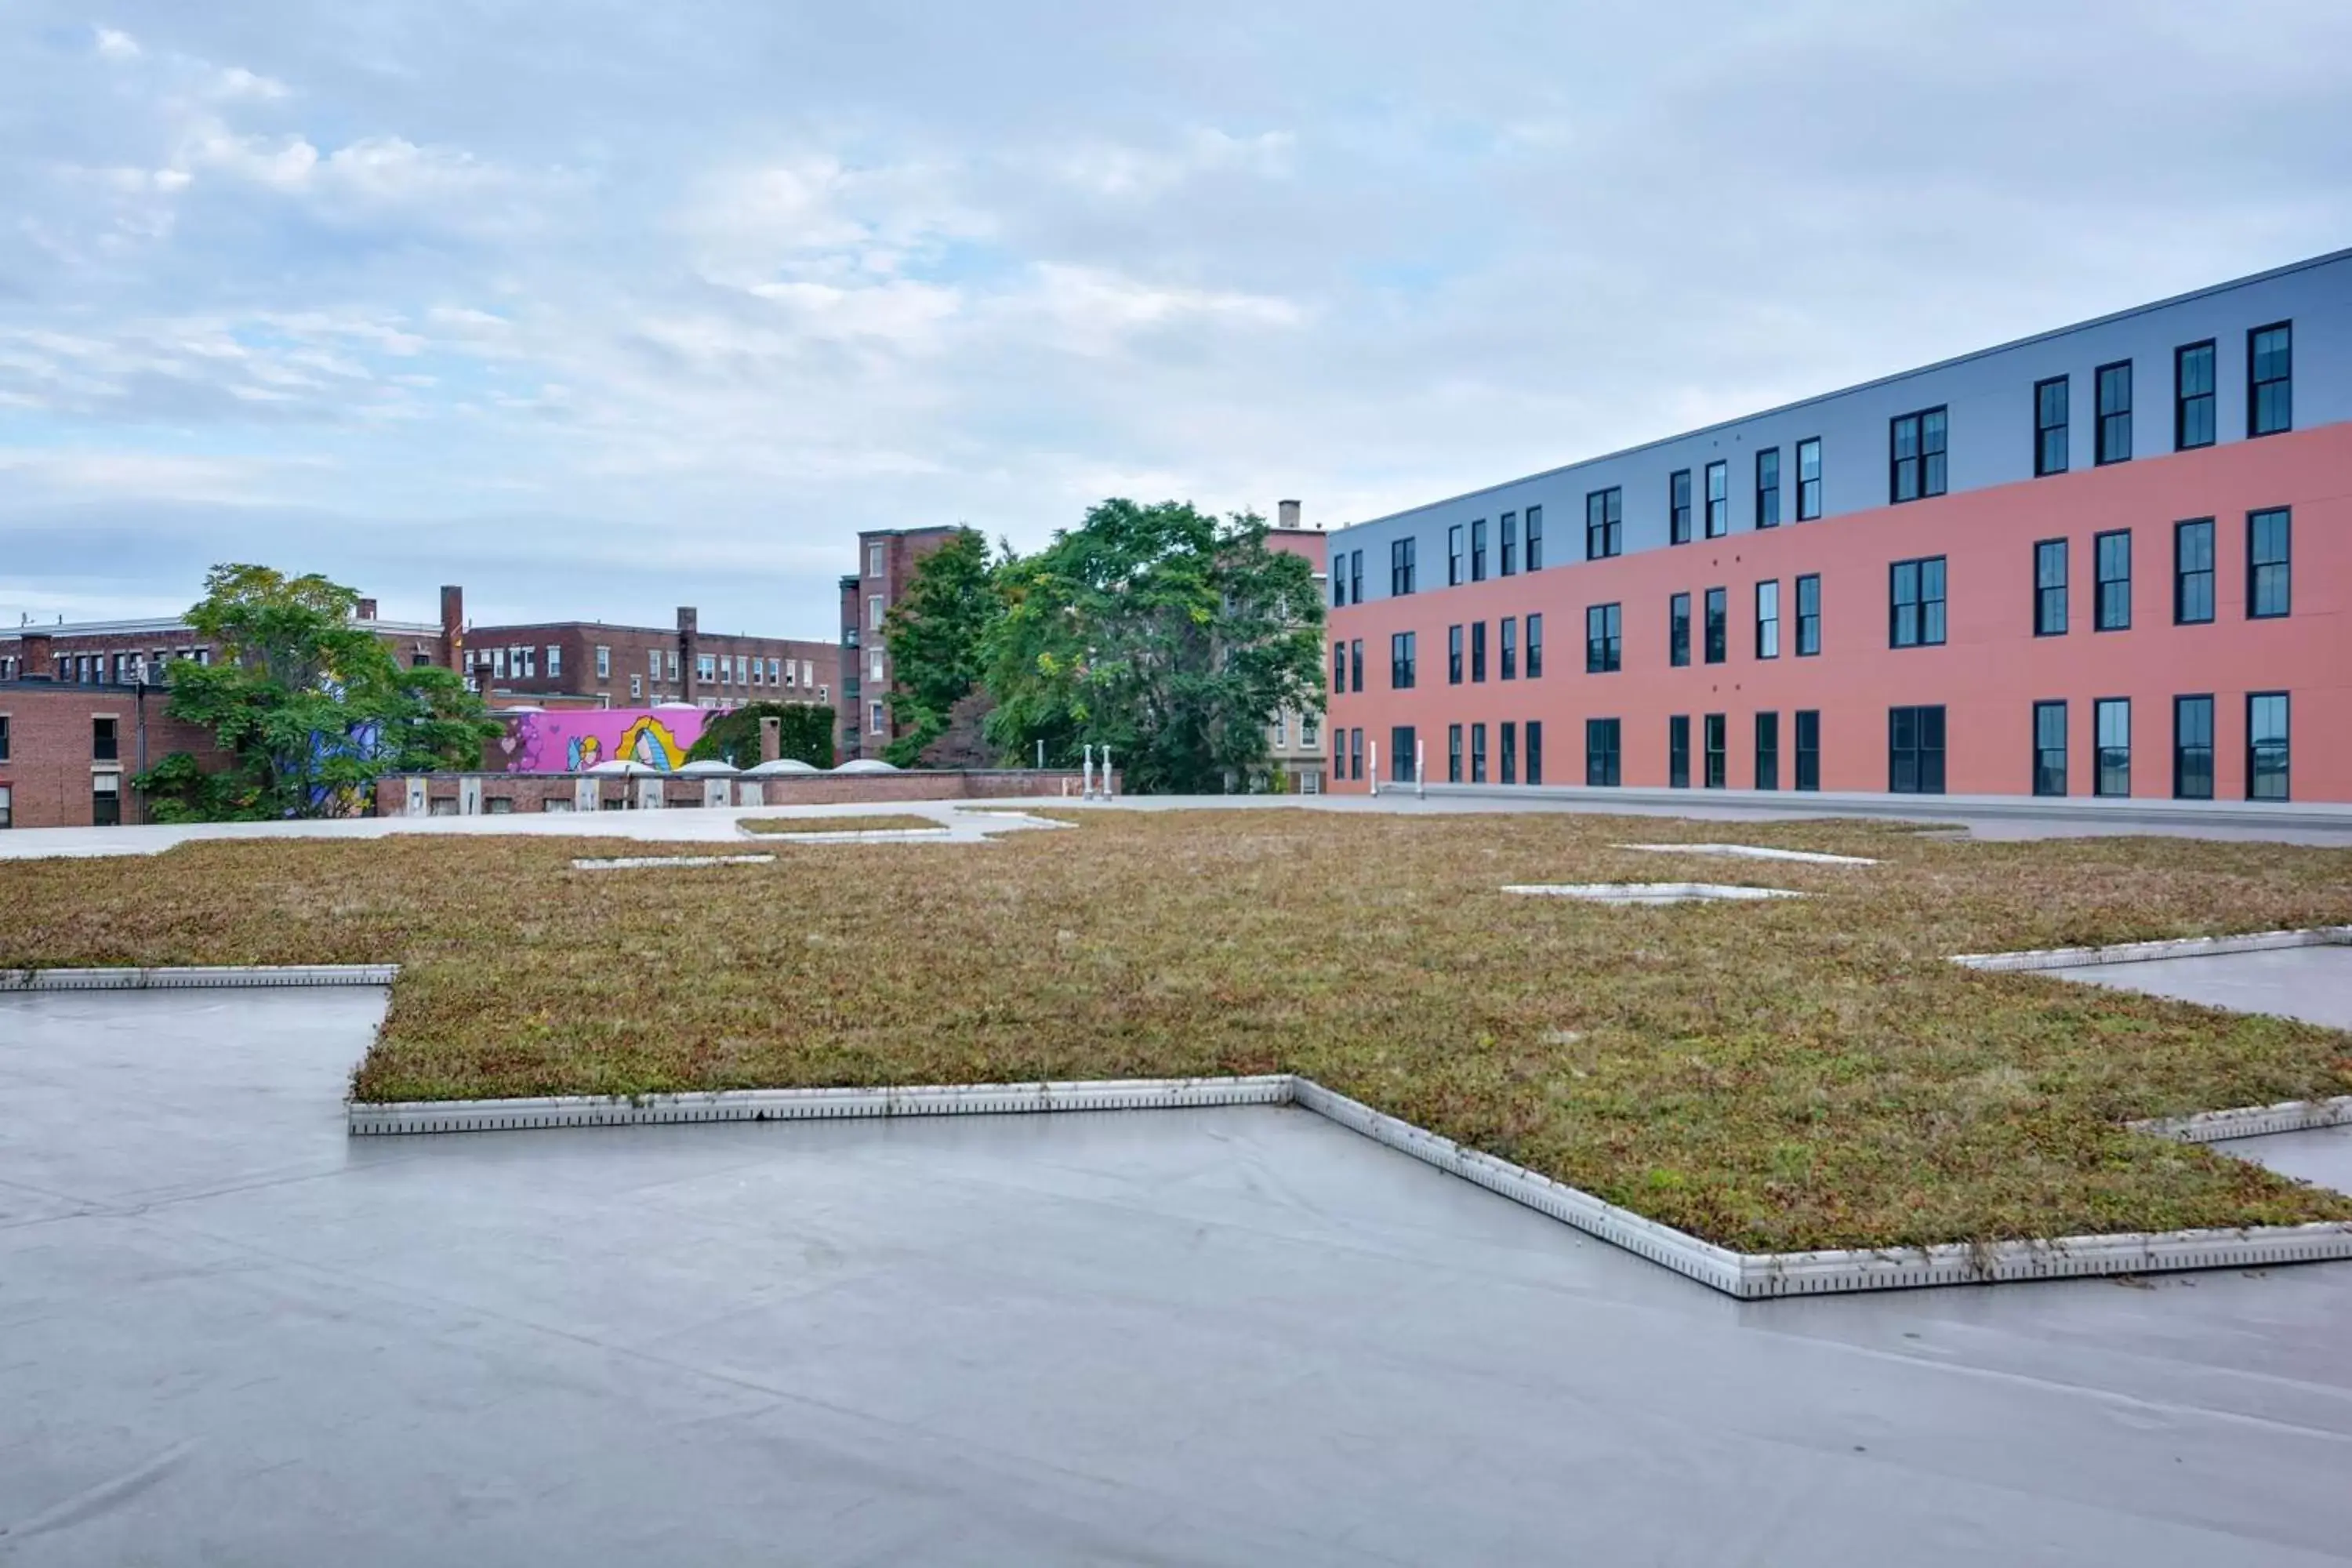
(574, 741)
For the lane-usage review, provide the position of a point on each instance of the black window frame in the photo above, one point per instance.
(1339, 667)
(1924, 761)
(1809, 492)
(1922, 472)
(1767, 627)
(1535, 751)
(2282, 747)
(1604, 753)
(1535, 646)
(105, 739)
(1356, 756)
(1454, 753)
(1915, 617)
(2111, 418)
(2104, 777)
(1718, 498)
(1477, 753)
(1478, 550)
(1716, 628)
(1768, 749)
(1356, 577)
(1454, 558)
(2050, 762)
(1506, 751)
(1535, 538)
(1715, 737)
(2050, 590)
(1477, 653)
(1678, 632)
(1506, 646)
(1679, 751)
(1768, 486)
(2052, 425)
(1604, 523)
(1454, 655)
(2268, 417)
(1805, 743)
(2196, 413)
(2192, 584)
(1507, 540)
(2270, 580)
(1809, 621)
(1401, 742)
(1604, 639)
(1402, 569)
(1678, 507)
(2106, 606)
(2192, 760)
(1403, 659)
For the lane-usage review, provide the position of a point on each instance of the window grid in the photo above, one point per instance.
(1535, 539)
(1477, 753)
(1478, 550)
(1510, 752)
(1809, 615)
(2113, 439)
(1678, 751)
(1718, 614)
(2112, 552)
(1603, 639)
(1678, 623)
(1915, 456)
(2192, 748)
(1602, 759)
(1915, 751)
(1402, 567)
(1808, 726)
(1477, 651)
(1767, 487)
(2269, 564)
(1604, 523)
(2050, 398)
(1508, 526)
(1714, 729)
(1916, 602)
(1453, 556)
(1402, 658)
(2111, 728)
(1453, 655)
(1768, 750)
(1535, 647)
(1454, 753)
(1356, 665)
(2050, 748)
(1678, 507)
(2269, 379)
(1535, 751)
(1808, 478)
(1768, 618)
(2192, 572)
(1508, 641)
(2193, 424)
(1718, 499)
(2050, 588)
(2266, 746)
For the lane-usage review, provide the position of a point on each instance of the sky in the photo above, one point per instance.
(599, 308)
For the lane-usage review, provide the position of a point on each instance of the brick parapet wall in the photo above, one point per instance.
(446, 794)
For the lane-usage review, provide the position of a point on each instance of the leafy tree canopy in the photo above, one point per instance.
(310, 705)
(935, 632)
(804, 731)
(1163, 632)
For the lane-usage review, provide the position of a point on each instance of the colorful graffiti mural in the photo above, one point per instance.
(568, 741)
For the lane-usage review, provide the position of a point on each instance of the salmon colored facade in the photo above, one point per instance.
(1987, 676)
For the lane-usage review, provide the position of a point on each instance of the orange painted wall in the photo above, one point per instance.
(1988, 673)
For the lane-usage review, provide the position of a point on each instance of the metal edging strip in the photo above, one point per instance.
(2148, 951)
(198, 977)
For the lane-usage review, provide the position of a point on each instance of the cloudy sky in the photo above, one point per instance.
(604, 307)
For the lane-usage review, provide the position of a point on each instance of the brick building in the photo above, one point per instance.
(1297, 737)
(887, 558)
(622, 665)
(126, 653)
(68, 749)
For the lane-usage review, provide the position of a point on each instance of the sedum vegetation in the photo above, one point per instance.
(1792, 1074)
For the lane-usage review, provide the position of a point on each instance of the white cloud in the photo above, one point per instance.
(115, 45)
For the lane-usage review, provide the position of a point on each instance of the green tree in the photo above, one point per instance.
(937, 631)
(804, 730)
(1163, 632)
(310, 705)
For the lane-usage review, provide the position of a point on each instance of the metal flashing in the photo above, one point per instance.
(2146, 951)
(197, 976)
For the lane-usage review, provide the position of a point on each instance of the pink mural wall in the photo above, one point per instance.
(567, 741)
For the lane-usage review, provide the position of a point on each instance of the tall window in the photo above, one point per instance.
(2111, 721)
(1478, 550)
(1453, 655)
(874, 561)
(1510, 738)
(1718, 499)
(1477, 650)
(1916, 602)
(1809, 615)
(2114, 557)
(1768, 750)
(1454, 753)
(1355, 755)
(2192, 572)
(1535, 556)
(2269, 566)
(1453, 556)
(1714, 733)
(1809, 480)
(1509, 525)
(1915, 751)
(2114, 434)
(605, 663)
(1914, 452)
(1535, 751)
(1356, 577)
(1678, 507)
(2192, 395)
(2267, 754)
(1678, 751)
(1401, 750)
(1604, 523)
(1400, 566)
(2050, 588)
(105, 740)
(1678, 630)
(2050, 748)
(1535, 647)
(1510, 647)
(1339, 667)
(2192, 748)
(1339, 591)
(1600, 752)
(1809, 748)
(2050, 426)
(2270, 380)
(1356, 665)
(1603, 638)
(1767, 487)
(1477, 753)
(1768, 619)
(1402, 660)
(1718, 614)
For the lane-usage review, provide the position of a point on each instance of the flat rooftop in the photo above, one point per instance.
(229, 1333)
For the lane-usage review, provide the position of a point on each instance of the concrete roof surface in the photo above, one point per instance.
(228, 1332)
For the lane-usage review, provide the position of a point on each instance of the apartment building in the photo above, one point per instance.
(626, 666)
(70, 749)
(2111, 559)
(1296, 737)
(131, 652)
(887, 559)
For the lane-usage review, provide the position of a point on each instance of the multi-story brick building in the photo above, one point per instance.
(626, 666)
(125, 653)
(2114, 560)
(68, 749)
(887, 559)
(1296, 737)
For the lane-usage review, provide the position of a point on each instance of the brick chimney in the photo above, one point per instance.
(33, 650)
(367, 609)
(453, 625)
(772, 739)
(687, 638)
(1285, 514)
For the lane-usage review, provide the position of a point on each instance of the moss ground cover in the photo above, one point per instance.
(1795, 1073)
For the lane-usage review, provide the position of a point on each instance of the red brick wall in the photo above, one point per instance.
(49, 767)
(629, 647)
(532, 792)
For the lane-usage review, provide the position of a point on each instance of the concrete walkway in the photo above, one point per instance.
(229, 1333)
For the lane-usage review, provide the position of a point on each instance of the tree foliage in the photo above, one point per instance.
(804, 731)
(310, 705)
(1163, 632)
(937, 631)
